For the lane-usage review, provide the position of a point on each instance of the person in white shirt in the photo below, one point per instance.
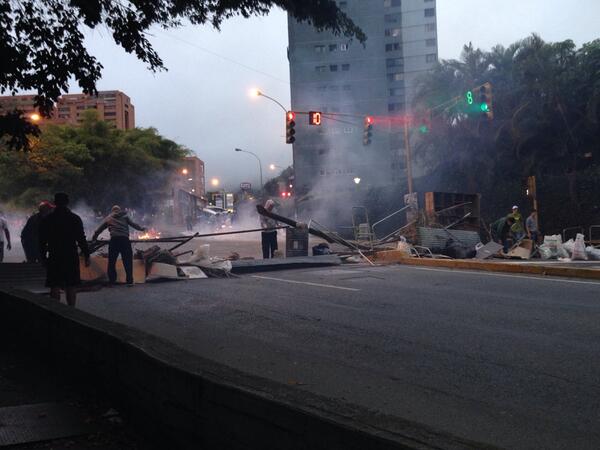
(4, 232)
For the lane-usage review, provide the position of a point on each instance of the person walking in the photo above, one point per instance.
(268, 238)
(4, 232)
(30, 234)
(118, 223)
(531, 225)
(61, 231)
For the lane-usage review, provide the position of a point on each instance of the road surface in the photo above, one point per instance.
(506, 360)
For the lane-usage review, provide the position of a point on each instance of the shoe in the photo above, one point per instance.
(129, 284)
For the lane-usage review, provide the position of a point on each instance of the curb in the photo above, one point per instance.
(398, 257)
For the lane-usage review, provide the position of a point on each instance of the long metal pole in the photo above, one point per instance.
(259, 168)
(273, 100)
(408, 157)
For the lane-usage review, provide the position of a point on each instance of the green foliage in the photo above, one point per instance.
(42, 42)
(546, 104)
(93, 162)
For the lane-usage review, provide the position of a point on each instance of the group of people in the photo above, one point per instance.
(51, 236)
(512, 228)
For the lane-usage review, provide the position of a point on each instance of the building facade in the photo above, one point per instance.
(348, 81)
(113, 106)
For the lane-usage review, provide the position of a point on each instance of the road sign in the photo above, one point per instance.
(245, 186)
(314, 117)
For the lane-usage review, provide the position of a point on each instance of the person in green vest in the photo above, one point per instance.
(517, 229)
(501, 230)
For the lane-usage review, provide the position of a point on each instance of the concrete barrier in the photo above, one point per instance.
(188, 402)
(398, 257)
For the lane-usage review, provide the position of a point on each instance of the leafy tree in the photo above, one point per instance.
(42, 44)
(94, 162)
(546, 123)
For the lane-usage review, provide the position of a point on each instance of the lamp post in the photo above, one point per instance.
(274, 166)
(259, 93)
(259, 166)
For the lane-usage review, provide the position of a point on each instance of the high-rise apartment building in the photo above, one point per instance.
(112, 106)
(347, 82)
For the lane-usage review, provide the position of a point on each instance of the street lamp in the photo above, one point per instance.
(274, 166)
(259, 165)
(35, 117)
(259, 93)
(184, 171)
(214, 182)
(356, 180)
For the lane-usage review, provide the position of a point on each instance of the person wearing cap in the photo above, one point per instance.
(517, 229)
(4, 232)
(268, 238)
(118, 223)
(30, 234)
(61, 232)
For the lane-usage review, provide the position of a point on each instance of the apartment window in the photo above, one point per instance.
(392, 3)
(333, 67)
(394, 92)
(431, 42)
(430, 12)
(393, 32)
(395, 107)
(332, 47)
(395, 62)
(320, 68)
(345, 67)
(343, 47)
(110, 113)
(397, 76)
(333, 88)
(393, 47)
(432, 57)
(430, 27)
(393, 18)
(319, 48)
(346, 87)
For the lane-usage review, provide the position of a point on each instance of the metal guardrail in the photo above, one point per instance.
(591, 234)
(379, 222)
(564, 232)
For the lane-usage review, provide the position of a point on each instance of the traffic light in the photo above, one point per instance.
(290, 127)
(368, 130)
(485, 101)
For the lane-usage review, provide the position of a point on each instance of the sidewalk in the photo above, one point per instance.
(43, 408)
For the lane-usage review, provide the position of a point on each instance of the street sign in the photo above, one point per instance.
(245, 186)
(314, 117)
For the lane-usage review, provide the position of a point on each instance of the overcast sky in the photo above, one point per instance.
(202, 101)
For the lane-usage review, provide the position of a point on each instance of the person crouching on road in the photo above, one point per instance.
(118, 223)
(269, 238)
(501, 231)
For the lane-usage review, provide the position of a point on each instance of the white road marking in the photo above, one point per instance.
(306, 282)
(489, 274)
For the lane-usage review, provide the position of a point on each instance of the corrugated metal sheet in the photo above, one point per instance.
(438, 237)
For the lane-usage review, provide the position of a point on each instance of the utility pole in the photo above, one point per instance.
(408, 157)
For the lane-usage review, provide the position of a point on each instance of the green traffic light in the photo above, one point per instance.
(484, 107)
(423, 129)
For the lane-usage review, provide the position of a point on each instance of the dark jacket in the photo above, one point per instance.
(118, 225)
(60, 234)
(30, 236)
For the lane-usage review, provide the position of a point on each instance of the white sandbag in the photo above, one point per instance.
(593, 253)
(569, 246)
(545, 252)
(579, 249)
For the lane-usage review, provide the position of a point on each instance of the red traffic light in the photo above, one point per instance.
(291, 115)
(368, 120)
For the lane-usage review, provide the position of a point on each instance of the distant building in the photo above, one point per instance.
(348, 81)
(187, 193)
(112, 106)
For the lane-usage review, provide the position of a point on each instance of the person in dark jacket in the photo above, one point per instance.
(118, 223)
(501, 230)
(30, 235)
(269, 237)
(61, 232)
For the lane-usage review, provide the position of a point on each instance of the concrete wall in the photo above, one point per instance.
(190, 402)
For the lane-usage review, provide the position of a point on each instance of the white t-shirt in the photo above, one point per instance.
(3, 226)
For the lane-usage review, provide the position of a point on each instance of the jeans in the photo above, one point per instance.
(120, 245)
(269, 243)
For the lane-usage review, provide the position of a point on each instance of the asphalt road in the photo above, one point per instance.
(507, 360)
